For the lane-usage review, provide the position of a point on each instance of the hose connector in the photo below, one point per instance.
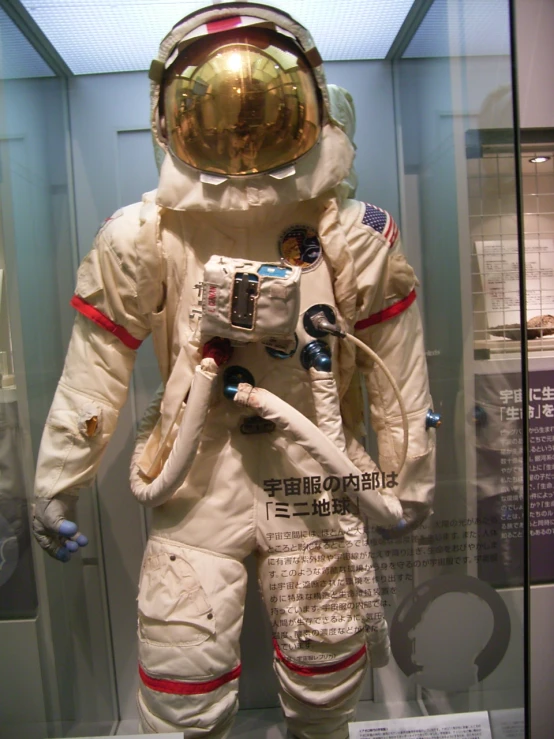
(220, 350)
(320, 320)
(233, 377)
(480, 416)
(322, 324)
(316, 354)
(432, 420)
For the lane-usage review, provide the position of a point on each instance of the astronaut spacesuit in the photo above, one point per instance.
(248, 248)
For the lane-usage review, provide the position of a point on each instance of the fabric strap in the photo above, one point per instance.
(181, 687)
(89, 311)
(384, 315)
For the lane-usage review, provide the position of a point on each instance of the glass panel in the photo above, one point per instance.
(18, 597)
(54, 647)
(537, 168)
(458, 186)
(453, 590)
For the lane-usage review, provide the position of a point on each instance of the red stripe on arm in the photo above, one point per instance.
(96, 316)
(384, 315)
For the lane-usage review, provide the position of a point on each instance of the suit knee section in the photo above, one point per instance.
(190, 614)
(199, 709)
(319, 697)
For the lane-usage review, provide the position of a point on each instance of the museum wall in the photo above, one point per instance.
(36, 171)
(535, 29)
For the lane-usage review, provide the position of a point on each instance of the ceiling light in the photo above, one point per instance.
(539, 160)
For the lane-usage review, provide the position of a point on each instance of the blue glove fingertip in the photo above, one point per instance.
(386, 533)
(67, 528)
(62, 555)
(72, 546)
(81, 540)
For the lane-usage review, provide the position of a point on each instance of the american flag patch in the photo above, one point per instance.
(381, 221)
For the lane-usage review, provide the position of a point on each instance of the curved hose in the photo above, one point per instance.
(403, 413)
(386, 510)
(186, 444)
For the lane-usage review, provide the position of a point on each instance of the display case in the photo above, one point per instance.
(437, 148)
(454, 90)
(54, 632)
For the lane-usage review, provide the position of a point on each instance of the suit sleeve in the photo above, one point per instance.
(94, 384)
(388, 321)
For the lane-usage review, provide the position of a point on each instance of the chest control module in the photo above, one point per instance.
(248, 301)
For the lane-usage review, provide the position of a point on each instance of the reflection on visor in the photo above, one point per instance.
(240, 103)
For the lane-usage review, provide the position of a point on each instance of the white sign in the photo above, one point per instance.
(508, 724)
(498, 265)
(452, 726)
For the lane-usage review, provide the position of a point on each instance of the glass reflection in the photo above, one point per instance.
(460, 212)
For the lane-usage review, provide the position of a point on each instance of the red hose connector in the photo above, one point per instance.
(220, 350)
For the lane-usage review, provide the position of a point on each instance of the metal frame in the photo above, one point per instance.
(36, 37)
(407, 31)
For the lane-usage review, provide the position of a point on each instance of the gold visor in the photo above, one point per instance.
(241, 102)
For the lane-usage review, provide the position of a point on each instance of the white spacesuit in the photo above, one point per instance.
(248, 248)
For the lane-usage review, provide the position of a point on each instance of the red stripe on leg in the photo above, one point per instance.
(182, 687)
(312, 670)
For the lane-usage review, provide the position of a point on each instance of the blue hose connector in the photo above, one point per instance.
(316, 354)
(479, 416)
(232, 378)
(432, 420)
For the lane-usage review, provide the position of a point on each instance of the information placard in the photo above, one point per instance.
(500, 471)
(508, 723)
(453, 726)
(498, 264)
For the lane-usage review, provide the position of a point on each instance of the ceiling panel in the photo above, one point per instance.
(123, 35)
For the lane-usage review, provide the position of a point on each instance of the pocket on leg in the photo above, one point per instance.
(174, 610)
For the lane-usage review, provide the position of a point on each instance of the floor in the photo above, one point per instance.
(268, 723)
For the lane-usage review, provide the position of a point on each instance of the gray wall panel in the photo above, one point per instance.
(21, 698)
(370, 84)
(535, 27)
